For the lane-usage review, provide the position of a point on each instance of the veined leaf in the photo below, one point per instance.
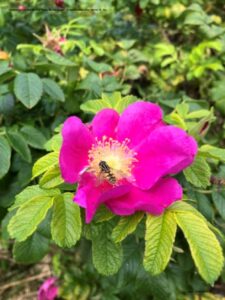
(126, 226)
(107, 255)
(198, 173)
(66, 221)
(32, 250)
(51, 178)
(33, 191)
(115, 101)
(5, 156)
(159, 239)
(28, 88)
(205, 248)
(213, 152)
(28, 217)
(45, 163)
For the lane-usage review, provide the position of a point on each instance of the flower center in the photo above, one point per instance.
(111, 160)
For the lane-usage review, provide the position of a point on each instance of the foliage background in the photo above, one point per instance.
(162, 51)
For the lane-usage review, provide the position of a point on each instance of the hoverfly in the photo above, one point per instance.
(106, 170)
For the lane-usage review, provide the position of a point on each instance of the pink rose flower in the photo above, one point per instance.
(48, 290)
(125, 162)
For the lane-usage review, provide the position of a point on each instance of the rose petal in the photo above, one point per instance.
(105, 123)
(91, 194)
(138, 120)
(167, 150)
(77, 140)
(153, 201)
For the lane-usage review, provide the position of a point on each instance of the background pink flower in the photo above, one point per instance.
(48, 290)
(139, 152)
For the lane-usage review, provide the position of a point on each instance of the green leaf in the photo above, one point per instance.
(32, 250)
(53, 89)
(59, 59)
(205, 248)
(107, 255)
(33, 136)
(45, 163)
(5, 156)
(54, 144)
(219, 202)
(51, 178)
(33, 191)
(159, 239)
(103, 214)
(66, 221)
(28, 88)
(19, 144)
(198, 173)
(213, 152)
(28, 217)
(114, 101)
(126, 226)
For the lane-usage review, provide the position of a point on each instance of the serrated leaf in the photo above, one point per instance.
(126, 226)
(159, 239)
(51, 178)
(19, 144)
(107, 255)
(198, 173)
(183, 206)
(31, 192)
(45, 163)
(213, 152)
(32, 250)
(28, 88)
(28, 217)
(115, 101)
(205, 248)
(66, 221)
(5, 156)
(33, 136)
(53, 89)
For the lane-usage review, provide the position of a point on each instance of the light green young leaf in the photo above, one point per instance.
(115, 101)
(159, 239)
(45, 163)
(213, 152)
(59, 59)
(51, 178)
(28, 88)
(28, 217)
(32, 250)
(205, 248)
(107, 255)
(198, 173)
(5, 156)
(66, 221)
(126, 226)
(33, 191)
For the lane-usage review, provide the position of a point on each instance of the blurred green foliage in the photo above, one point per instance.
(53, 63)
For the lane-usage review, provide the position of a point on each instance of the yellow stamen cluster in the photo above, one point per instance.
(117, 155)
